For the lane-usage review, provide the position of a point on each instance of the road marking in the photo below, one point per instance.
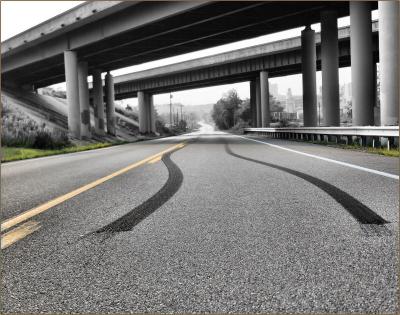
(19, 233)
(157, 159)
(50, 204)
(369, 170)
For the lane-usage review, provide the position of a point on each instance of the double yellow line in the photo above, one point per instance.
(18, 233)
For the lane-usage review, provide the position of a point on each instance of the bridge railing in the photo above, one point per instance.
(366, 136)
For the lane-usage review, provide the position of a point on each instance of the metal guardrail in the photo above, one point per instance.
(376, 136)
(369, 131)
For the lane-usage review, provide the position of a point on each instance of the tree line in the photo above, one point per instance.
(232, 112)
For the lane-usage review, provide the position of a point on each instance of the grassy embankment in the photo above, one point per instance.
(9, 154)
(395, 152)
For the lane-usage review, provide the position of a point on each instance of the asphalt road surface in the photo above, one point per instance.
(216, 223)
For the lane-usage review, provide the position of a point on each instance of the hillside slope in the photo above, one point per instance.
(52, 111)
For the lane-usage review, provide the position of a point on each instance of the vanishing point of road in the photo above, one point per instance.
(203, 222)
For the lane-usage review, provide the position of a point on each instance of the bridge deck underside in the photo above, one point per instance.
(205, 26)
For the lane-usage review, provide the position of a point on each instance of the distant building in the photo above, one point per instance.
(273, 89)
(347, 92)
(290, 104)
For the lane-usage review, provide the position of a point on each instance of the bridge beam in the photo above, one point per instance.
(71, 79)
(361, 64)
(253, 106)
(330, 68)
(258, 102)
(264, 91)
(309, 68)
(110, 106)
(84, 99)
(389, 61)
(98, 102)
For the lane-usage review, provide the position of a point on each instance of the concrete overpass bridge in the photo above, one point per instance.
(278, 58)
(99, 37)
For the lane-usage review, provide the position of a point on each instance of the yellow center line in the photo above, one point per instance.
(157, 159)
(46, 206)
(19, 233)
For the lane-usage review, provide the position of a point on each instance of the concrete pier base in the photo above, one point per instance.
(258, 103)
(98, 103)
(330, 68)
(264, 90)
(110, 106)
(84, 100)
(253, 106)
(389, 61)
(361, 63)
(143, 119)
(71, 79)
(309, 68)
(147, 123)
(151, 114)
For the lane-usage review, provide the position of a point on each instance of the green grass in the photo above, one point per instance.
(9, 154)
(395, 152)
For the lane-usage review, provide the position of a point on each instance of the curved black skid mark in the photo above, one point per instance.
(358, 210)
(135, 216)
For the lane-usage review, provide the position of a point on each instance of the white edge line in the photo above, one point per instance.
(327, 160)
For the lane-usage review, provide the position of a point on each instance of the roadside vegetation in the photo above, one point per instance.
(395, 152)
(24, 138)
(19, 130)
(9, 154)
(233, 114)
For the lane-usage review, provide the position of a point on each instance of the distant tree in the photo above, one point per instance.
(230, 110)
(224, 111)
(244, 111)
(274, 105)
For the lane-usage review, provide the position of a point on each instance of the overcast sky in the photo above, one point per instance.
(17, 16)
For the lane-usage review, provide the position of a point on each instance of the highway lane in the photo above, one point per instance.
(229, 225)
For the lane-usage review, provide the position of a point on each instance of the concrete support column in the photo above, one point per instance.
(330, 68)
(110, 107)
(309, 68)
(361, 63)
(143, 113)
(98, 102)
(377, 114)
(84, 99)
(151, 114)
(264, 90)
(253, 106)
(389, 61)
(71, 79)
(258, 103)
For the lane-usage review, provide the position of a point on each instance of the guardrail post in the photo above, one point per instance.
(389, 143)
(375, 141)
(367, 141)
